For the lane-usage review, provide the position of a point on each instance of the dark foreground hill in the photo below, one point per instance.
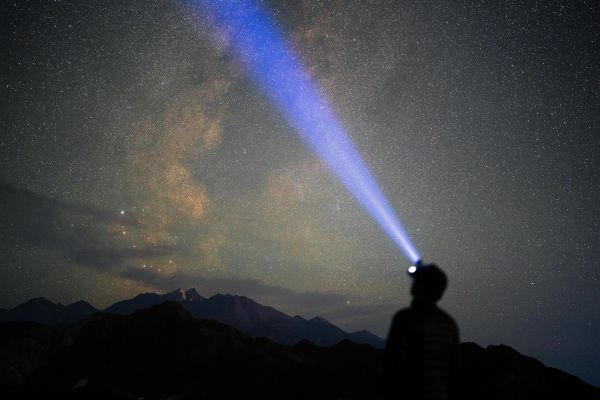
(163, 352)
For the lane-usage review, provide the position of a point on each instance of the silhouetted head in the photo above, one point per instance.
(429, 283)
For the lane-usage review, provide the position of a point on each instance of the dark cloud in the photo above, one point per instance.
(112, 258)
(83, 233)
(27, 206)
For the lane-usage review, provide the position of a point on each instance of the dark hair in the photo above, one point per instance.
(431, 280)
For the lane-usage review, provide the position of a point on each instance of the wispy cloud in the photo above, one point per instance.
(85, 234)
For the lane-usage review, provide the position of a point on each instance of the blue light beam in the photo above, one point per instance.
(258, 44)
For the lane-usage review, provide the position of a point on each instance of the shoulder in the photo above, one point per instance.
(442, 314)
(405, 312)
(402, 316)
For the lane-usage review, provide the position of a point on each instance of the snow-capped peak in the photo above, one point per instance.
(180, 295)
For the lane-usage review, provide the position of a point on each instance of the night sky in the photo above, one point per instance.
(136, 154)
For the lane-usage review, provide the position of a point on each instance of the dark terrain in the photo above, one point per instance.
(240, 312)
(164, 352)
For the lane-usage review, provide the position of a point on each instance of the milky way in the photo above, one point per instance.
(138, 155)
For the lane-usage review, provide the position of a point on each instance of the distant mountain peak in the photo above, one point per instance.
(183, 295)
(193, 295)
(178, 294)
(44, 311)
(38, 300)
(232, 299)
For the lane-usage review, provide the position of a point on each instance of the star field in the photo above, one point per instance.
(137, 155)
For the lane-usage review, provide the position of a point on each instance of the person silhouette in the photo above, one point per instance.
(421, 352)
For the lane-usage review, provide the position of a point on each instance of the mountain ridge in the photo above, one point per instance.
(44, 311)
(241, 312)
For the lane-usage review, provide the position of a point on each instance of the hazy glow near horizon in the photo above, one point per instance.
(255, 40)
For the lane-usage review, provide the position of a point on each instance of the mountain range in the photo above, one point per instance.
(163, 352)
(240, 312)
(44, 311)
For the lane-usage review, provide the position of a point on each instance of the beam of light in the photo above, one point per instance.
(259, 45)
